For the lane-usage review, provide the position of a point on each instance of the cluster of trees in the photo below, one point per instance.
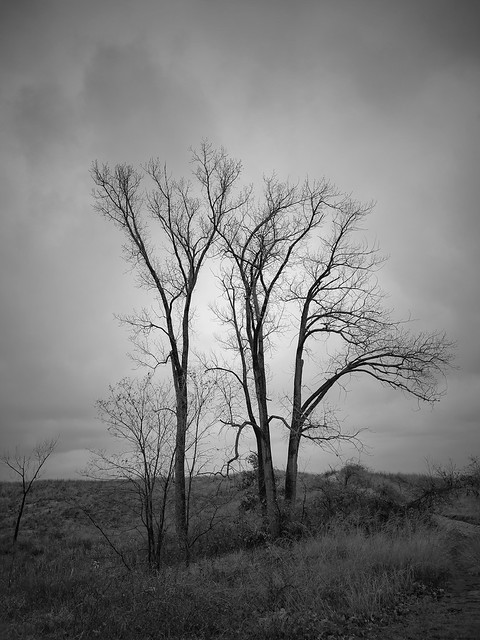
(289, 260)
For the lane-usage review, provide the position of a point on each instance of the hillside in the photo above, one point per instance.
(359, 557)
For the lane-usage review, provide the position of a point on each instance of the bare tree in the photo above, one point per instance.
(260, 245)
(140, 417)
(188, 225)
(340, 304)
(291, 263)
(28, 468)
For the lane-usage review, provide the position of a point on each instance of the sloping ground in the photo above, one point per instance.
(456, 615)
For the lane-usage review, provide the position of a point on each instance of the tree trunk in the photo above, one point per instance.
(295, 426)
(265, 461)
(19, 517)
(262, 495)
(291, 473)
(272, 511)
(180, 492)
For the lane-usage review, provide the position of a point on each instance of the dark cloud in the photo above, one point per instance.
(381, 97)
(44, 123)
(121, 84)
(133, 108)
(452, 26)
(399, 46)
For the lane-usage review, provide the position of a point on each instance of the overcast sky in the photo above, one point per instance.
(380, 96)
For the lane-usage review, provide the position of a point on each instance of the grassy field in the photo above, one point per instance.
(356, 555)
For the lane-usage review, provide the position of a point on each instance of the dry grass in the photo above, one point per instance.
(300, 590)
(68, 583)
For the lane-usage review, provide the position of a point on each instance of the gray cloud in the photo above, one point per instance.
(134, 109)
(121, 84)
(44, 124)
(381, 97)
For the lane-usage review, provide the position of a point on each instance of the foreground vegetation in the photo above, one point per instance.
(355, 555)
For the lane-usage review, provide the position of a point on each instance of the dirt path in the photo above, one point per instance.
(456, 615)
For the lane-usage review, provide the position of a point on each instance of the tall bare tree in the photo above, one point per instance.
(261, 245)
(340, 304)
(188, 225)
(292, 263)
